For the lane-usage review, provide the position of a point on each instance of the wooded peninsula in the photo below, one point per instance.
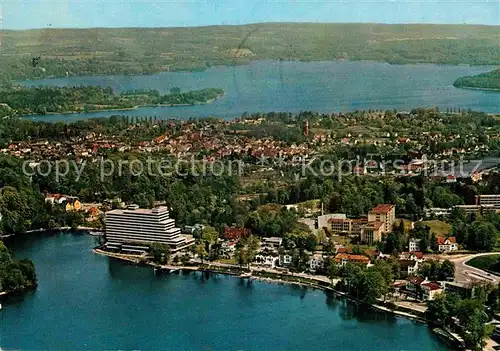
(486, 81)
(43, 100)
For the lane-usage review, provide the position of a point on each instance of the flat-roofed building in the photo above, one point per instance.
(385, 213)
(347, 226)
(145, 226)
(470, 209)
(491, 199)
(372, 232)
(324, 220)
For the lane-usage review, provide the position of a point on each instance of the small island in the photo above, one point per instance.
(484, 81)
(75, 99)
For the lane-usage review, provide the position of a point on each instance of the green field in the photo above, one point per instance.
(490, 263)
(439, 228)
(147, 50)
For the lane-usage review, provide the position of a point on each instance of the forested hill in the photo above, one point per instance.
(488, 80)
(61, 52)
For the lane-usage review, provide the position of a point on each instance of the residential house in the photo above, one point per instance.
(422, 289)
(451, 178)
(93, 214)
(316, 262)
(342, 259)
(407, 268)
(72, 204)
(430, 290)
(413, 285)
(414, 245)
(272, 242)
(228, 248)
(235, 233)
(267, 258)
(447, 244)
(285, 259)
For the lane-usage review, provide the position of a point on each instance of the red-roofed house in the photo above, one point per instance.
(234, 233)
(447, 244)
(430, 290)
(342, 259)
(422, 289)
(451, 179)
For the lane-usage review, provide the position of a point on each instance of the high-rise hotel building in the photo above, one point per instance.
(144, 226)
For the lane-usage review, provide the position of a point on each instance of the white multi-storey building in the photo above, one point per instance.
(144, 226)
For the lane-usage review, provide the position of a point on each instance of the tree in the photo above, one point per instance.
(436, 309)
(185, 259)
(300, 259)
(433, 243)
(200, 250)
(447, 270)
(371, 285)
(473, 318)
(481, 236)
(210, 237)
(331, 269)
(246, 249)
(393, 244)
(160, 253)
(423, 244)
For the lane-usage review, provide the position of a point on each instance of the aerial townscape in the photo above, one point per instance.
(263, 186)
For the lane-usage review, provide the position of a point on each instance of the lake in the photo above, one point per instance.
(86, 301)
(264, 86)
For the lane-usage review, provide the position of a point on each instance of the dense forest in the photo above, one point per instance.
(69, 52)
(488, 80)
(15, 275)
(42, 100)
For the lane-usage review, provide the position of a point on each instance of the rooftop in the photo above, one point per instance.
(382, 208)
(155, 210)
(442, 241)
(432, 286)
(415, 280)
(374, 225)
(349, 257)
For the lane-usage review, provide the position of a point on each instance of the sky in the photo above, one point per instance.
(25, 14)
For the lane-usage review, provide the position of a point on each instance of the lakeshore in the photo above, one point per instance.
(123, 109)
(292, 86)
(111, 301)
(280, 277)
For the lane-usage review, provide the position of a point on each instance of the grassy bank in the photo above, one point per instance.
(487, 263)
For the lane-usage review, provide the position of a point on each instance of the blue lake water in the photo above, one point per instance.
(264, 86)
(85, 301)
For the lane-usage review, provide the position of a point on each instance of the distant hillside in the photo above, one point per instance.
(148, 50)
(489, 80)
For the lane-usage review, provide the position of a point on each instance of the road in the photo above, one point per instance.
(468, 274)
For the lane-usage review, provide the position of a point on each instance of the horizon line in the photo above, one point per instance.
(259, 23)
